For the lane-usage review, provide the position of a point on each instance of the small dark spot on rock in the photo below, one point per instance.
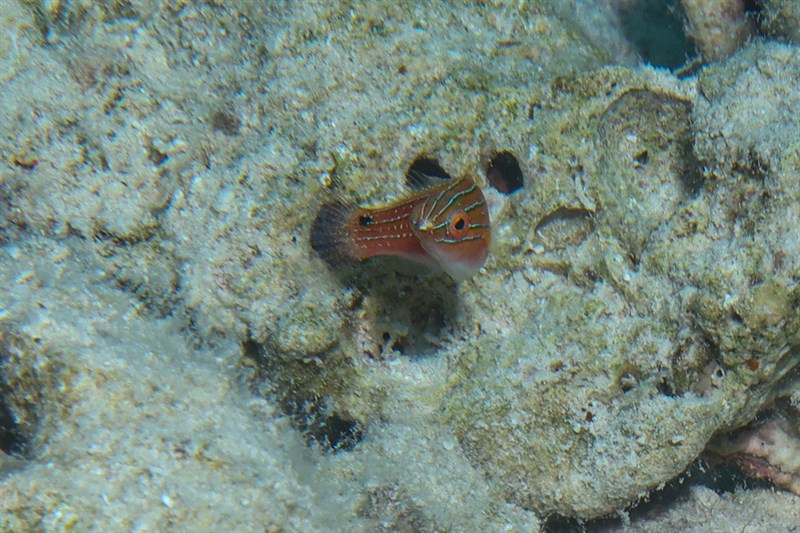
(402, 69)
(640, 159)
(25, 163)
(504, 173)
(627, 382)
(665, 388)
(157, 157)
(225, 122)
(336, 433)
(252, 349)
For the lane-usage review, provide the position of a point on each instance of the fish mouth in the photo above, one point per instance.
(425, 225)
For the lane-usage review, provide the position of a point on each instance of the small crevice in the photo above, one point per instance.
(563, 213)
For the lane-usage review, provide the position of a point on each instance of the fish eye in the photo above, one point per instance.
(458, 225)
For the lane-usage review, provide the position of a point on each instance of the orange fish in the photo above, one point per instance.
(444, 226)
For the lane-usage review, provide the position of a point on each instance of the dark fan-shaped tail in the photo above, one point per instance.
(329, 237)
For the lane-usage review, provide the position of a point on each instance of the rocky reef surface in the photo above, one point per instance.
(174, 355)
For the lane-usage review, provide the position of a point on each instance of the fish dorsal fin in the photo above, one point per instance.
(419, 181)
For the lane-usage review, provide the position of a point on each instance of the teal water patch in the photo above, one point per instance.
(656, 30)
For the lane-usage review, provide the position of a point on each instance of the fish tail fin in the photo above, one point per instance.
(329, 233)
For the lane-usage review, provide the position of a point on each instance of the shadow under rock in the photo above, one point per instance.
(319, 427)
(410, 309)
(407, 313)
(721, 479)
(656, 31)
(13, 441)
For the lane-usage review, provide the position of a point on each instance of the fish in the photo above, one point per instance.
(444, 226)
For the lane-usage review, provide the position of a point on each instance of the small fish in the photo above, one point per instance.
(444, 226)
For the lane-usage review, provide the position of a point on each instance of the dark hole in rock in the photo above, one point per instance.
(225, 122)
(422, 170)
(504, 173)
(655, 29)
(12, 441)
(252, 349)
(336, 434)
(399, 345)
(326, 430)
(754, 10)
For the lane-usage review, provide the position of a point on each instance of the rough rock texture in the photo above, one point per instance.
(127, 427)
(781, 19)
(161, 164)
(719, 27)
(667, 321)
